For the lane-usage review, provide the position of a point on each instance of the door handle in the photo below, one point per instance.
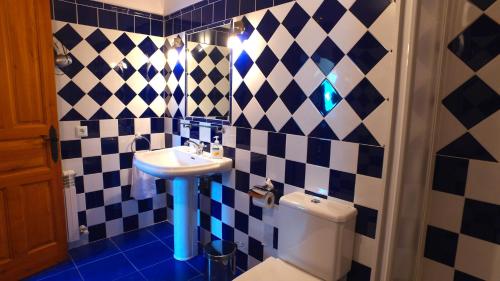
(54, 143)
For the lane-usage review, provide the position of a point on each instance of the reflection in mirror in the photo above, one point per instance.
(208, 73)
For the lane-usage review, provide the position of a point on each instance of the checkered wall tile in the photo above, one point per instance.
(463, 233)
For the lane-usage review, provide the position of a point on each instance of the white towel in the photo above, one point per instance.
(143, 185)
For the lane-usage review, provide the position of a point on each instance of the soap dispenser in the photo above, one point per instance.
(216, 150)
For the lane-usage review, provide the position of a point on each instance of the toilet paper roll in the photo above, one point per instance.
(266, 201)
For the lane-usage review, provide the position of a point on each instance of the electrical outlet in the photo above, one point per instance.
(82, 131)
(241, 245)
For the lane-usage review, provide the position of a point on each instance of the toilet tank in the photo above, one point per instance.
(316, 235)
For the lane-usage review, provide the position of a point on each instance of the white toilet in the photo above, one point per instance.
(316, 238)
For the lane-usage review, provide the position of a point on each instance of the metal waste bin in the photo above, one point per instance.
(221, 260)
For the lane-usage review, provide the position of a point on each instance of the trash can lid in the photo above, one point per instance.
(220, 249)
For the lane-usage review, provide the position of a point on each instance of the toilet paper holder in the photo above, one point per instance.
(263, 195)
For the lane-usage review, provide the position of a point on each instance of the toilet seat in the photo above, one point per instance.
(273, 269)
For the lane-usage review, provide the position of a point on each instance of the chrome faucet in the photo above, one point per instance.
(199, 147)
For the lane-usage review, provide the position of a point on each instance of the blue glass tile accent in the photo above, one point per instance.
(99, 67)
(94, 199)
(294, 58)
(342, 185)
(242, 95)
(148, 254)
(125, 22)
(131, 223)
(142, 25)
(361, 134)
(71, 149)
(207, 14)
(482, 4)
(113, 211)
(133, 239)
(240, 221)
(441, 245)
(111, 179)
(367, 52)
(370, 161)
(68, 36)
(87, 15)
(255, 249)
(178, 71)
(478, 44)
(295, 20)
(170, 270)
(329, 14)
(125, 94)
(364, 98)
(276, 144)
(242, 181)
(366, 221)
(327, 56)
(367, 11)
(323, 131)
(258, 164)
(450, 175)
(148, 47)
(472, 102)
(325, 98)
(65, 11)
(124, 44)
(107, 19)
(466, 146)
(243, 63)
(92, 165)
(100, 270)
(71, 93)
(293, 97)
(481, 220)
(100, 94)
(267, 61)
(295, 173)
(219, 10)
(359, 272)
(291, 127)
(232, 8)
(266, 96)
(318, 152)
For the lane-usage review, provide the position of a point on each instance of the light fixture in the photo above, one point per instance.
(234, 41)
(173, 53)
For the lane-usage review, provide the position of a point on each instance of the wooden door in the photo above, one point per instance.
(32, 224)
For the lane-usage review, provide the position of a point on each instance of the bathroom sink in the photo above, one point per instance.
(180, 161)
(183, 167)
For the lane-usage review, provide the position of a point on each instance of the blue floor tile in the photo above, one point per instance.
(148, 254)
(68, 275)
(170, 270)
(109, 268)
(132, 277)
(169, 241)
(162, 230)
(133, 239)
(56, 269)
(199, 262)
(199, 278)
(93, 251)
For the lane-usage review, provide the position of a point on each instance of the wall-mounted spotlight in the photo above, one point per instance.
(173, 51)
(234, 40)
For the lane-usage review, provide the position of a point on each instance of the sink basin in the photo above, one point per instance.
(180, 161)
(183, 167)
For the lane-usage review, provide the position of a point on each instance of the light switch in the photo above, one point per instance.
(82, 131)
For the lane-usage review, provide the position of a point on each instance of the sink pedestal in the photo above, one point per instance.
(185, 193)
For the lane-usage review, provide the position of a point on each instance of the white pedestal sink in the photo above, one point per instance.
(184, 167)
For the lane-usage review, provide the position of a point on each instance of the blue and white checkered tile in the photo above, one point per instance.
(461, 238)
(208, 80)
(114, 74)
(317, 68)
(102, 162)
(175, 77)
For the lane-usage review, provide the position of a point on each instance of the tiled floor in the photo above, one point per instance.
(145, 254)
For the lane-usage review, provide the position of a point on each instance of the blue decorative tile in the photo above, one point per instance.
(99, 67)
(243, 63)
(276, 144)
(73, 69)
(97, 232)
(359, 272)
(266, 96)
(157, 125)
(258, 164)
(125, 22)
(113, 211)
(263, 4)
(126, 160)
(367, 52)
(293, 97)
(94, 199)
(255, 249)
(482, 4)
(325, 98)
(240, 221)
(215, 76)
(481, 220)
(249, 29)
(294, 58)
(242, 181)
(450, 175)
(142, 25)
(329, 14)
(71, 93)
(197, 74)
(87, 15)
(219, 10)
(295, 173)
(148, 71)
(232, 8)
(93, 129)
(147, 46)
(124, 44)
(100, 94)
(215, 55)
(109, 268)
(361, 134)
(98, 41)
(227, 232)
(216, 209)
(64, 11)
(242, 96)
(323, 131)
(170, 270)
(318, 152)
(364, 98)
(228, 196)
(466, 146)
(265, 125)
(478, 44)
(247, 6)
(327, 56)
(125, 94)
(156, 28)
(207, 13)
(133, 239)
(126, 127)
(149, 254)
(367, 11)
(291, 127)
(186, 21)
(370, 161)
(107, 19)
(148, 94)
(92, 165)
(366, 221)
(342, 185)
(267, 61)
(295, 20)
(68, 36)
(72, 115)
(472, 102)
(268, 26)
(441, 245)
(145, 205)
(178, 71)
(460, 276)
(130, 223)
(111, 179)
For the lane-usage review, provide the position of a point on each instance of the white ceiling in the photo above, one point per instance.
(159, 7)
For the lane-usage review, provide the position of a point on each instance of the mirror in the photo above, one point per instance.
(208, 61)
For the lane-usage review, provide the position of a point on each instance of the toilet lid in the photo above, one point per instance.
(274, 269)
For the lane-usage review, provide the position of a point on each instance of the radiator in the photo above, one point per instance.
(71, 206)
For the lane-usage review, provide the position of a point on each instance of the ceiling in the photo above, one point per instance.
(160, 7)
